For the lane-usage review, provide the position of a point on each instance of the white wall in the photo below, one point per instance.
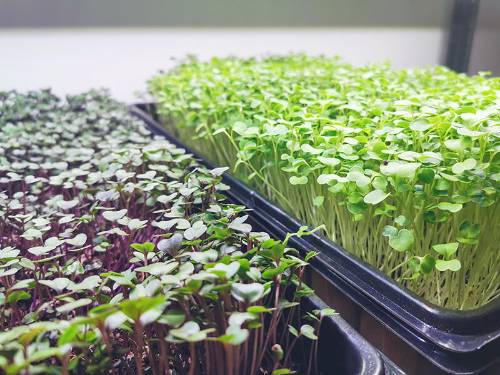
(485, 54)
(72, 60)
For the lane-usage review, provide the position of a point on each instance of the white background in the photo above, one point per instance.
(73, 60)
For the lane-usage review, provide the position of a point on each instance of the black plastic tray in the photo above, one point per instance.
(342, 350)
(458, 342)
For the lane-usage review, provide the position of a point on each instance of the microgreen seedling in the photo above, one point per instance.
(120, 255)
(354, 149)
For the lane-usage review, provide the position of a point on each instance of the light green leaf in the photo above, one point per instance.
(189, 331)
(114, 215)
(196, 231)
(402, 241)
(420, 125)
(235, 335)
(331, 162)
(307, 148)
(73, 305)
(466, 165)
(400, 169)
(78, 240)
(327, 178)
(32, 234)
(451, 207)
(66, 205)
(58, 284)
(375, 197)
(448, 265)
(159, 268)
(240, 225)
(88, 283)
(446, 249)
(308, 331)
(247, 292)
(359, 178)
(295, 180)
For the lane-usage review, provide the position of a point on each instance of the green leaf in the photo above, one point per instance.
(420, 125)
(135, 224)
(469, 232)
(380, 183)
(427, 263)
(144, 248)
(159, 268)
(23, 284)
(327, 312)
(277, 130)
(238, 318)
(247, 292)
(89, 283)
(400, 169)
(359, 178)
(402, 221)
(456, 145)
(9, 253)
(331, 162)
(136, 307)
(451, 207)
(295, 180)
(32, 234)
(115, 320)
(173, 318)
(225, 270)
(446, 249)
(152, 314)
(470, 133)
(78, 240)
(448, 265)
(171, 245)
(40, 250)
(310, 255)
(18, 295)
(389, 231)
(307, 148)
(67, 205)
(466, 165)
(114, 215)
(293, 331)
(234, 335)
(402, 241)
(426, 175)
(239, 224)
(258, 309)
(58, 284)
(375, 197)
(324, 179)
(239, 127)
(204, 257)
(308, 331)
(196, 231)
(218, 171)
(189, 331)
(73, 305)
(69, 335)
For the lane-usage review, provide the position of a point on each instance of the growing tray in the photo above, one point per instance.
(457, 342)
(342, 350)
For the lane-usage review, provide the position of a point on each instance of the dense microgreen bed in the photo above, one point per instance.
(401, 166)
(119, 254)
